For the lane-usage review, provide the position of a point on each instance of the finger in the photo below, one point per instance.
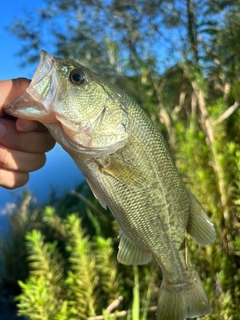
(11, 89)
(20, 161)
(23, 125)
(32, 142)
(12, 179)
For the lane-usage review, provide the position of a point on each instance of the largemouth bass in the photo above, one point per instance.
(128, 167)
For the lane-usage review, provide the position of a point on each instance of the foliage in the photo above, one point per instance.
(13, 249)
(78, 287)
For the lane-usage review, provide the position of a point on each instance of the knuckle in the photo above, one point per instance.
(12, 179)
(6, 160)
(21, 178)
(48, 141)
(38, 162)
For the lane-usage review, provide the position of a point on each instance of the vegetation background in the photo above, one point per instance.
(180, 60)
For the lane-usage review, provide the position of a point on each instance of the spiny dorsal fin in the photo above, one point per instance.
(130, 253)
(200, 227)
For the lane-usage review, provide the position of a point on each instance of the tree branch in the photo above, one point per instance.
(119, 314)
(114, 304)
(227, 113)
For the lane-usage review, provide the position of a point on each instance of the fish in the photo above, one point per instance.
(129, 168)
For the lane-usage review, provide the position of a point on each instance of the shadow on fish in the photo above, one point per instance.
(128, 167)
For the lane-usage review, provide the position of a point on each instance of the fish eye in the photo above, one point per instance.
(77, 76)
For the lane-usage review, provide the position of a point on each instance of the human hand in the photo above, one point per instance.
(23, 143)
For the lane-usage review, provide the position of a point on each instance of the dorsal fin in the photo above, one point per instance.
(199, 227)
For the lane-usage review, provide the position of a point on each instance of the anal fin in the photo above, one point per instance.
(130, 253)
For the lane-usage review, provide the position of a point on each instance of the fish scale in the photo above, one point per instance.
(128, 166)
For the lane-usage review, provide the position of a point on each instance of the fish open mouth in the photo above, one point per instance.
(35, 103)
(50, 99)
(44, 67)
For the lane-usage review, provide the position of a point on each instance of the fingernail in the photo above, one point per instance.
(3, 130)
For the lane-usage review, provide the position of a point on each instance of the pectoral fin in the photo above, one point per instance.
(124, 172)
(131, 254)
(97, 194)
(200, 227)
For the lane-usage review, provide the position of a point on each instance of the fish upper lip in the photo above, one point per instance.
(44, 68)
(31, 96)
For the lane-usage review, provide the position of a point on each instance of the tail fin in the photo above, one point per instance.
(178, 302)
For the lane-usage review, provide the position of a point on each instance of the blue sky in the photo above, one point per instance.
(59, 171)
(10, 45)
